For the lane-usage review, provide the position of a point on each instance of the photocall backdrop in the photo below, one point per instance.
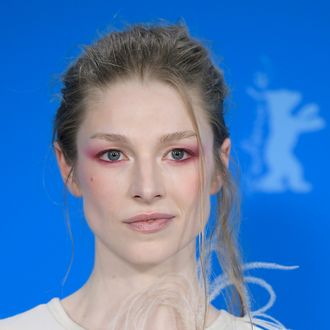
(275, 56)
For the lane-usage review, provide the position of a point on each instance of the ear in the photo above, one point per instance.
(225, 152)
(224, 156)
(65, 169)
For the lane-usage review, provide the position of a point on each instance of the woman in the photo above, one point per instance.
(140, 136)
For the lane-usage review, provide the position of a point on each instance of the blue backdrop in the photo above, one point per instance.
(275, 55)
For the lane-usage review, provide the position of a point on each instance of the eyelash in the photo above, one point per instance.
(190, 153)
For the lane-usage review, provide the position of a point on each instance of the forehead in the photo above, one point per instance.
(135, 108)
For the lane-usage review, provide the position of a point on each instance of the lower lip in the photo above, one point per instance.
(150, 227)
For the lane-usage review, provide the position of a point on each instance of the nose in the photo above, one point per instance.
(147, 181)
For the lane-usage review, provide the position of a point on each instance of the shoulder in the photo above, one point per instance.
(36, 318)
(227, 321)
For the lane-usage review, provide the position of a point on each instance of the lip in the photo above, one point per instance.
(148, 216)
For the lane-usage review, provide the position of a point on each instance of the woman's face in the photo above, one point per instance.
(142, 174)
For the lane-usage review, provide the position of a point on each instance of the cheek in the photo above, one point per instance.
(183, 179)
(99, 192)
(190, 186)
(185, 188)
(104, 187)
(94, 181)
(197, 216)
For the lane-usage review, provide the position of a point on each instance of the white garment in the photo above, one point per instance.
(52, 316)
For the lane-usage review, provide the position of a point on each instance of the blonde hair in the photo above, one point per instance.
(166, 53)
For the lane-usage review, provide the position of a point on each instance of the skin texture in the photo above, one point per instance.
(145, 176)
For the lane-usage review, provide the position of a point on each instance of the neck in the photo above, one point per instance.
(115, 285)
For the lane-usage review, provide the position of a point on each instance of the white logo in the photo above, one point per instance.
(280, 120)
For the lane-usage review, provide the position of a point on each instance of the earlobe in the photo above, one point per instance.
(216, 184)
(65, 170)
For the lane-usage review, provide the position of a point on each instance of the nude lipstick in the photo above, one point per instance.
(149, 222)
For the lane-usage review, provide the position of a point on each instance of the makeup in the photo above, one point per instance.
(96, 153)
(150, 226)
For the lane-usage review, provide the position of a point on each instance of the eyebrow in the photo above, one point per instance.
(113, 137)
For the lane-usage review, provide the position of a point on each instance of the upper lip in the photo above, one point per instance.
(148, 216)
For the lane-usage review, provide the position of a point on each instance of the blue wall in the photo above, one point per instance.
(275, 55)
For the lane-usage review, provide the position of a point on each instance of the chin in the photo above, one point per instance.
(148, 256)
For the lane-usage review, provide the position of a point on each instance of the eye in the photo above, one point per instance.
(178, 153)
(111, 155)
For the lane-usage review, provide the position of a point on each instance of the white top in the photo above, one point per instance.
(52, 316)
